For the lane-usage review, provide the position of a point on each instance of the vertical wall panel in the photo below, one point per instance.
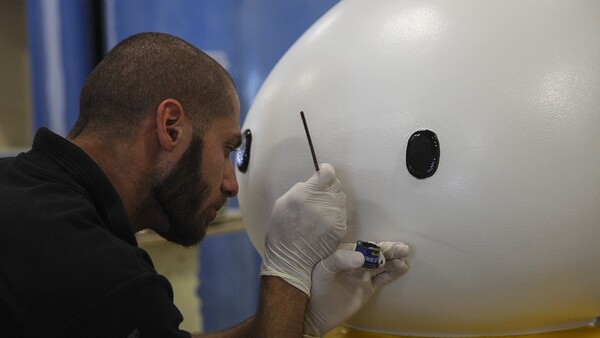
(15, 98)
(61, 41)
(229, 280)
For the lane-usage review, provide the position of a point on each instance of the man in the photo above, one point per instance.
(150, 150)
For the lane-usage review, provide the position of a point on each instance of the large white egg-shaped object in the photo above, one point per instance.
(505, 235)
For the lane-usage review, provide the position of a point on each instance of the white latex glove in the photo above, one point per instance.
(341, 286)
(306, 225)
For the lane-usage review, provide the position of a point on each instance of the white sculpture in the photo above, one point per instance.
(505, 235)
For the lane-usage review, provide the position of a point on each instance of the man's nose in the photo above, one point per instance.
(229, 185)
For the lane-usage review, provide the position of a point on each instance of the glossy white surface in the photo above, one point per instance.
(505, 235)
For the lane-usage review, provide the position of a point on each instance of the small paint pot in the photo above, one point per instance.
(372, 254)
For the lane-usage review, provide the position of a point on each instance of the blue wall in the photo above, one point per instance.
(248, 37)
(62, 53)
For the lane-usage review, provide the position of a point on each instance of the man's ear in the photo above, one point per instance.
(169, 123)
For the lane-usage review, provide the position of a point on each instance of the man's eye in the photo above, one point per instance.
(230, 149)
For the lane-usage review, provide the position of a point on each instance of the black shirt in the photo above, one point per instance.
(69, 260)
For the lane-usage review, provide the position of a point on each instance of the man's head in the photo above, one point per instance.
(179, 110)
(142, 71)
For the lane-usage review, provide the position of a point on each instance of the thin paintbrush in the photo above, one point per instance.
(312, 150)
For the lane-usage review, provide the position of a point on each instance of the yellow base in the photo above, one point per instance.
(586, 332)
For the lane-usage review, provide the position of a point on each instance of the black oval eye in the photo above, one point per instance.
(243, 152)
(423, 154)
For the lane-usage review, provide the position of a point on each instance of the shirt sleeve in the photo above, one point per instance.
(139, 308)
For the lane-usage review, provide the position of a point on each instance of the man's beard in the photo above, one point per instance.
(179, 197)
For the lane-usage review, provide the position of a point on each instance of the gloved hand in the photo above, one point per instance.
(306, 225)
(341, 286)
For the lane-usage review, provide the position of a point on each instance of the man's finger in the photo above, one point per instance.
(324, 179)
(343, 260)
(393, 250)
(388, 276)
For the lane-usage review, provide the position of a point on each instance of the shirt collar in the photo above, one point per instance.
(86, 172)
